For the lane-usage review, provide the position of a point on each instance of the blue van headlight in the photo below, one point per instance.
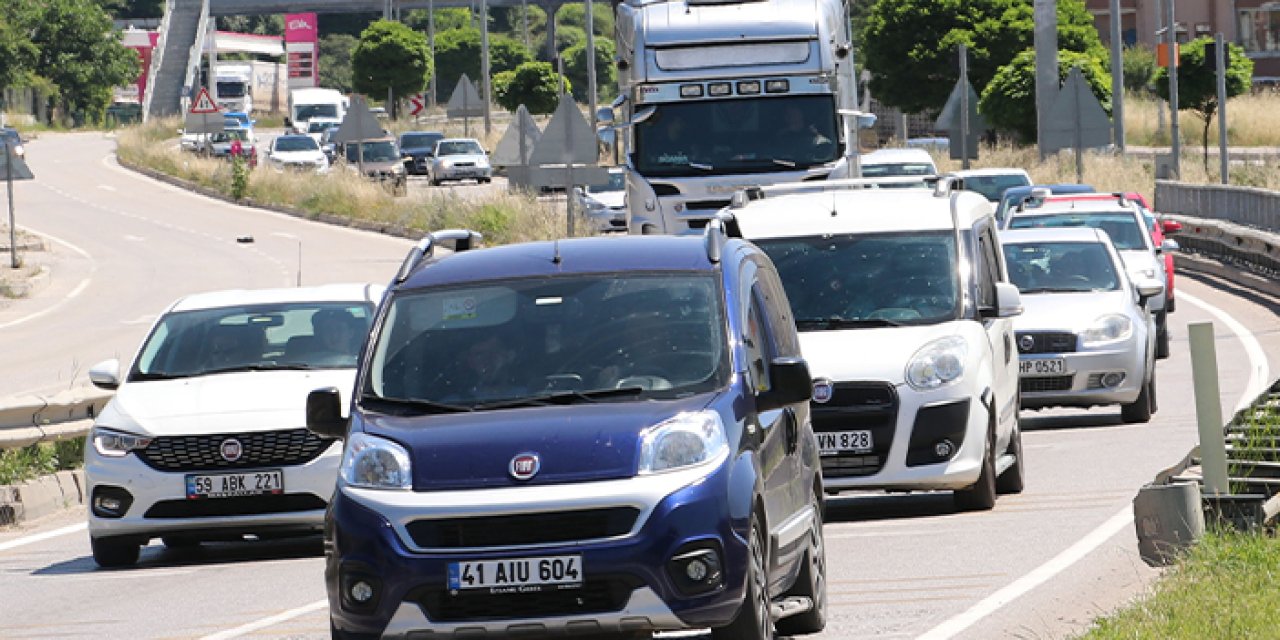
(685, 440)
(371, 462)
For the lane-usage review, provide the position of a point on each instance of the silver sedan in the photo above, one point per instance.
(459, 159)
(1085, 337)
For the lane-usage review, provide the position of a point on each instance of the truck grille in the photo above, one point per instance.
(523, 529)
(858, 406)
(1047, 342)
(1046, 383)
(597, 595)
(259, 449)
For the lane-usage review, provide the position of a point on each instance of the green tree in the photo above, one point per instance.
(1009, 101)
(534, 84)
(263, 24)
(909, 45)
(17, 52)
(575, 15)
(391, 56)
(1139, 68)
(335, 61)
(78, 51)
(575, 68)
(446, 19)
(458, 52)
(1198, 81)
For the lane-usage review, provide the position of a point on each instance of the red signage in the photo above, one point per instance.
(301, 27)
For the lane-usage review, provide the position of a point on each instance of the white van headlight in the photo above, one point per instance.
(938, 363)
(685, 440)
(1112, 327)
(371, 462)
(115, 444)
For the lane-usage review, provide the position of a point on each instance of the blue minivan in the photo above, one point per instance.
(584, 437)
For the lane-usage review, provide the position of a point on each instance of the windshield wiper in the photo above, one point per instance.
(845, 323)
(424, 406)
(562, 397)
(158, 376)
(1056, 290)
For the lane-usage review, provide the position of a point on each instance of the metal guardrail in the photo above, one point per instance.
(1231, 232)
(157, 57)
(1248, 206)
(27, 420)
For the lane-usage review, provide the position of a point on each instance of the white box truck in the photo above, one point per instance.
(308, 103)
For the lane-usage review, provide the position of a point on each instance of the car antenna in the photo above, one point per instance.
(556, 259)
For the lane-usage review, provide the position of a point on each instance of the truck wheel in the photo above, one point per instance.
(810, 583)
(754, 621)
(114, 552)
(982, 495)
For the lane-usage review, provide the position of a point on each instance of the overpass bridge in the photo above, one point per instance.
(186, 22)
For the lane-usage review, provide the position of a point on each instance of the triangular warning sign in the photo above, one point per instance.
(567, 139)
(517, 143)
(465, 100)
(203, 103)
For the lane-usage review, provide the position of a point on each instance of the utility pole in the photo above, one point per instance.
(964, 107)
(487, 97)
(431, 44)
(1221, 62)
(591, 63)
(1117, 78)
(8, 179)
(1171, 37)
(1045, 15)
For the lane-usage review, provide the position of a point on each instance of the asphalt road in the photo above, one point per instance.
(1040, 565)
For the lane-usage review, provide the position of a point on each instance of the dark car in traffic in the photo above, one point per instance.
(417, 148)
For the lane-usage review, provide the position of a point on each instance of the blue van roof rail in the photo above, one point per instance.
(462, 239)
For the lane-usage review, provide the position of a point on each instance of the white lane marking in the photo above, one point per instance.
(1259, 372)
(79, 288)
(269, 621)
(40, 537)
(1123, 519)
(139, 320)
(106, 187)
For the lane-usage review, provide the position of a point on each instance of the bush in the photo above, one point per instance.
(1009, 101)
(1139, 68)
(20, 465)
(575, 69)
(536, 85)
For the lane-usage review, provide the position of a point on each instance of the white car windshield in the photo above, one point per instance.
(296, 143)
(1122, 226)
(1060, 267)
(871, 280)
(301, 335)
(624, 334)
(458, 147)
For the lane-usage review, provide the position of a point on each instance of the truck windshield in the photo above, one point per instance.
(309, 111)
(737, 136)
(868, 280)
(230, 89)
(543, 340)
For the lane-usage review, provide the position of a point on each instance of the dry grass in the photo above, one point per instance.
(1253, 120)
(502, 217)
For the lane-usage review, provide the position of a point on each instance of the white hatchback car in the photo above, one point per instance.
(907, 321)
(1085, 338)
(206, 436)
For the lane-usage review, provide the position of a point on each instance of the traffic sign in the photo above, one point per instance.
(13, 166)
(465, 100)
(518, 142)
(1076, 118)
(417, 103)
(203, 103)
(359, 124)
(568, 138)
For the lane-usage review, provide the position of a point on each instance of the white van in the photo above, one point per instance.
(305, 104)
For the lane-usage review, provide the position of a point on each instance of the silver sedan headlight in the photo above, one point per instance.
(1113, 327)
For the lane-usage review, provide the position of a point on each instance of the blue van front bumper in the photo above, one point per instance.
(633, 581)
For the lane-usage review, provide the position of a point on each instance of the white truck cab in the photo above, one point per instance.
(905, 312)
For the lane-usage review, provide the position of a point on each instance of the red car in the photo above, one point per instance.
(1159, 230)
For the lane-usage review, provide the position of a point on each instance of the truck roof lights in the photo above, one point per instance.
(750, 87)
(777, 86)
(690, 91)
(719, 88)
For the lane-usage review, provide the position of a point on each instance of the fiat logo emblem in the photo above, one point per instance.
(231, 449)
(1026, 343)
(524, 466)
(822, 390)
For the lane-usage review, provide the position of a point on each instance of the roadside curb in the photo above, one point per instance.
(384, 228)
(41, 497)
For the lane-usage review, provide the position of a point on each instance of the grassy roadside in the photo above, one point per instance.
(503, 218)
(25, 463)
(1228, 586)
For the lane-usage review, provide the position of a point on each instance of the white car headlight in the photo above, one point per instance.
(371, 462)
(685, 440)
(1112, 327)
(938, 363)
(116, 444)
